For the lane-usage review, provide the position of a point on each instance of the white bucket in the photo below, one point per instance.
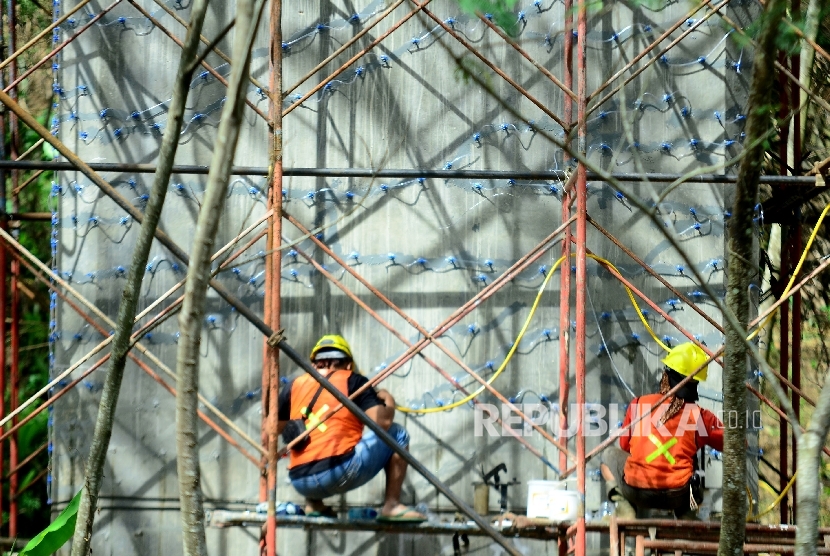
(550, 500)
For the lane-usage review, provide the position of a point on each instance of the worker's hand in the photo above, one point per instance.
(386, 398)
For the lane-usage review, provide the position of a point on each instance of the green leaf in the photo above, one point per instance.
(49, 152)
(469, 70)
(33, 433)
(499, 11)
(53, 537)
(28, 478)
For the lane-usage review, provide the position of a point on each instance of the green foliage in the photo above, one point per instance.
(787, 40)
(591, 6)
(28, 478)
(27, 10)
(57, 533)
(500, 11)
(34, 318)
(742, 40)
(30, 435)
(823, 38)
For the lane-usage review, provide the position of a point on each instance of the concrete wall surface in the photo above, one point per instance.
(417, 101)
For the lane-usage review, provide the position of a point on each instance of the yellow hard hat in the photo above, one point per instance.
(686, 359)
(331, 343)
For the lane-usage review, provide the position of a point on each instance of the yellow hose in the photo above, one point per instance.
(515, 345)
(795, 272)
(763, 325)
(757, 330)
(503, 365)
(555, 267)
(776, 501)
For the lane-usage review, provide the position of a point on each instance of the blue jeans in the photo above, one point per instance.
(370, 456)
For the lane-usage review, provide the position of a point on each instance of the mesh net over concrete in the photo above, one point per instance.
(419, 100)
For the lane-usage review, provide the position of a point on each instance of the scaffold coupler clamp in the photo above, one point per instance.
(276, 337)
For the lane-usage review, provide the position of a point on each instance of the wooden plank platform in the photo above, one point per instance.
(659, 536)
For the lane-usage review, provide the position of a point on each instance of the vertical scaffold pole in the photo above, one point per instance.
(795, 347)
(565, 268)
(3, 264)
(14, 328)
(581, 271)
(786, 266)
(795, 95)
(273, 271)
(783, 369)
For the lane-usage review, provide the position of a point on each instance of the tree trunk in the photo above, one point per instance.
(740, 257)
(198, 275)
(129, 298)
(808, 486)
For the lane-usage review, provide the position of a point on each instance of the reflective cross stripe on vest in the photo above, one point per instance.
(662, 449)
(314, 418)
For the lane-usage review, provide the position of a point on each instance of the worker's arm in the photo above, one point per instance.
(379, 406)
(711, 434)
(283, 407)
(625, 436)
(383, 414)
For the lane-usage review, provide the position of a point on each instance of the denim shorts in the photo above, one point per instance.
(676, 499)
(370, 456)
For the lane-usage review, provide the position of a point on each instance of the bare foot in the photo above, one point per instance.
(401, 511)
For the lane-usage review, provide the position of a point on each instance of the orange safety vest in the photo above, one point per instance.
(339, 434)
(662, 456)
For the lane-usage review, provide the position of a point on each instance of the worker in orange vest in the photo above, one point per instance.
(338, 455)
(656, 462)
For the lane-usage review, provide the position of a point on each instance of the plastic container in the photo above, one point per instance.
(481, 501)
(289, 508)
(606, 509)
(550, 500)
(362, 514)
(539, 496)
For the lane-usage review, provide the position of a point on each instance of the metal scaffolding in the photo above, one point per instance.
(569, 240)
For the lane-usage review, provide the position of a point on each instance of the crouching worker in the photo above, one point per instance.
(655, 469)
(339, 455)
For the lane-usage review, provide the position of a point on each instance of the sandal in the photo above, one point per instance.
(325, 512)
(401, 517)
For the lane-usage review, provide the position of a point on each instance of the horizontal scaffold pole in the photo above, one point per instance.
(404, 173)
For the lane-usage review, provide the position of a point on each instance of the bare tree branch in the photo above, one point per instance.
(740, 254)
(808, 53)
(198, 275)
(81, 542)
(808, 487)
